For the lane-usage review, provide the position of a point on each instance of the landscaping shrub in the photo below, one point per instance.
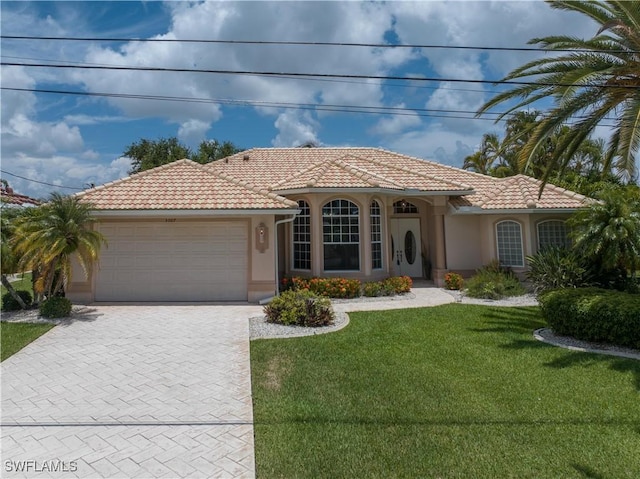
(373, 289)
(494, 282)
(301, 308)
(329, 287)
(453, 281)
(398, 284)
(56, 307)
(594, 314)
(10, 304)
(554, 268)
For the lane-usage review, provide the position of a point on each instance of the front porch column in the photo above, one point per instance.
(440, 268)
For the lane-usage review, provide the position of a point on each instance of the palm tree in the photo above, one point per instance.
(50, 235)
(608, 232)
(482, 160)
(591, 81)
(9, 260)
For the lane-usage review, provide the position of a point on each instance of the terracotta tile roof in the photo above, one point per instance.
(521, 192)
(251, 179)
(302, 168)
(9, 197)
(182, 185)
(274, 168)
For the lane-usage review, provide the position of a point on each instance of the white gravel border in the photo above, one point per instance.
(546, 335)
(259, 328)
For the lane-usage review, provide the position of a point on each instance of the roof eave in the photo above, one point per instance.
(191, 213)
(393, 191)
(474, 210)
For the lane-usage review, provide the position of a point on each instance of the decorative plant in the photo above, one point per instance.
(453, 281)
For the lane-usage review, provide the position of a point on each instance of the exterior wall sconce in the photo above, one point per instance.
(262, 238)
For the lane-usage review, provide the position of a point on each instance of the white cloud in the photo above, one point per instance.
(295, 128)
(434, 143)
(193, 131)
(393, 125)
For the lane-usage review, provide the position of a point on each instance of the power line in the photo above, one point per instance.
(329, 80)
(41, 182)
(376, 110)
(392, 110)
(308, 75)
(301, 43)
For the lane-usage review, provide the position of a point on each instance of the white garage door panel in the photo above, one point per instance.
(173, 262)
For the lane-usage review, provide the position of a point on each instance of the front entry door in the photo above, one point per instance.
(406, 249)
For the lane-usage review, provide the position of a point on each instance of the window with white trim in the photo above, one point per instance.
(341, 236)
(376, 235)
(509, 240)
(302, 237)
(553, 233)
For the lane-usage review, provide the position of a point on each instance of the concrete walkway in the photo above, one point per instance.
(133, 391)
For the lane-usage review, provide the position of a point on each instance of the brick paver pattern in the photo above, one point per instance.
(133, 391)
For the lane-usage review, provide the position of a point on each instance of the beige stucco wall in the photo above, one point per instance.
(471, 239)
(464, 242)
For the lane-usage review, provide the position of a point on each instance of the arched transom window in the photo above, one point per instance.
(553, 233)
(302, 237)
(509, 240)
(341, 236)
(404, 206)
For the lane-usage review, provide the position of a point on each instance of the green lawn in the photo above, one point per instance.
(15, 336)
(457, 391)
(24, 282)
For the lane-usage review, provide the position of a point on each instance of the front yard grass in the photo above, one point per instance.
(23, 282)
(15, 336)
(456, 391)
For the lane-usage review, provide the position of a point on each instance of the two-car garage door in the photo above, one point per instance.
(173, 261)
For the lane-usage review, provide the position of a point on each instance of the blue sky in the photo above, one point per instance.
(72, 140)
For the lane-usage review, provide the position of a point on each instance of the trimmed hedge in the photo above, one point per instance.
(594, 314)
(56, 307)
(10, 304)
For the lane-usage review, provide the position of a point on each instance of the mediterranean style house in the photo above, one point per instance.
(231, 229)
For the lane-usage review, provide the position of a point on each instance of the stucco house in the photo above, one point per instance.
(227, 231)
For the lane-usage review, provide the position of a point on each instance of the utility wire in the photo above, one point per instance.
(300, 43)
(376, 110)
(309, 75)
(41, 182)
(330, 80)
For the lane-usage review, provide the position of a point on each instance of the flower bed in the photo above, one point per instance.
(344, 288)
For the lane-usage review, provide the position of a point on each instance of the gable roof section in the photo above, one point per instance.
(520, 192)
(183, 185)
(286, 169)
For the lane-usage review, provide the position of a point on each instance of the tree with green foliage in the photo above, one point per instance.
(10, 257)
(585, 172)
(591, 81)
(608, 232)
(48, 236)
(146, 154)
(482, 160)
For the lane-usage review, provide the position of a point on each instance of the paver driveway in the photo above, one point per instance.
(133, 391)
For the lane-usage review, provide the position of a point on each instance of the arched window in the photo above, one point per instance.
(376, 235)
(403, 206)
(341, 236)
(509, 240)
(553, 233)
(302, 237)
